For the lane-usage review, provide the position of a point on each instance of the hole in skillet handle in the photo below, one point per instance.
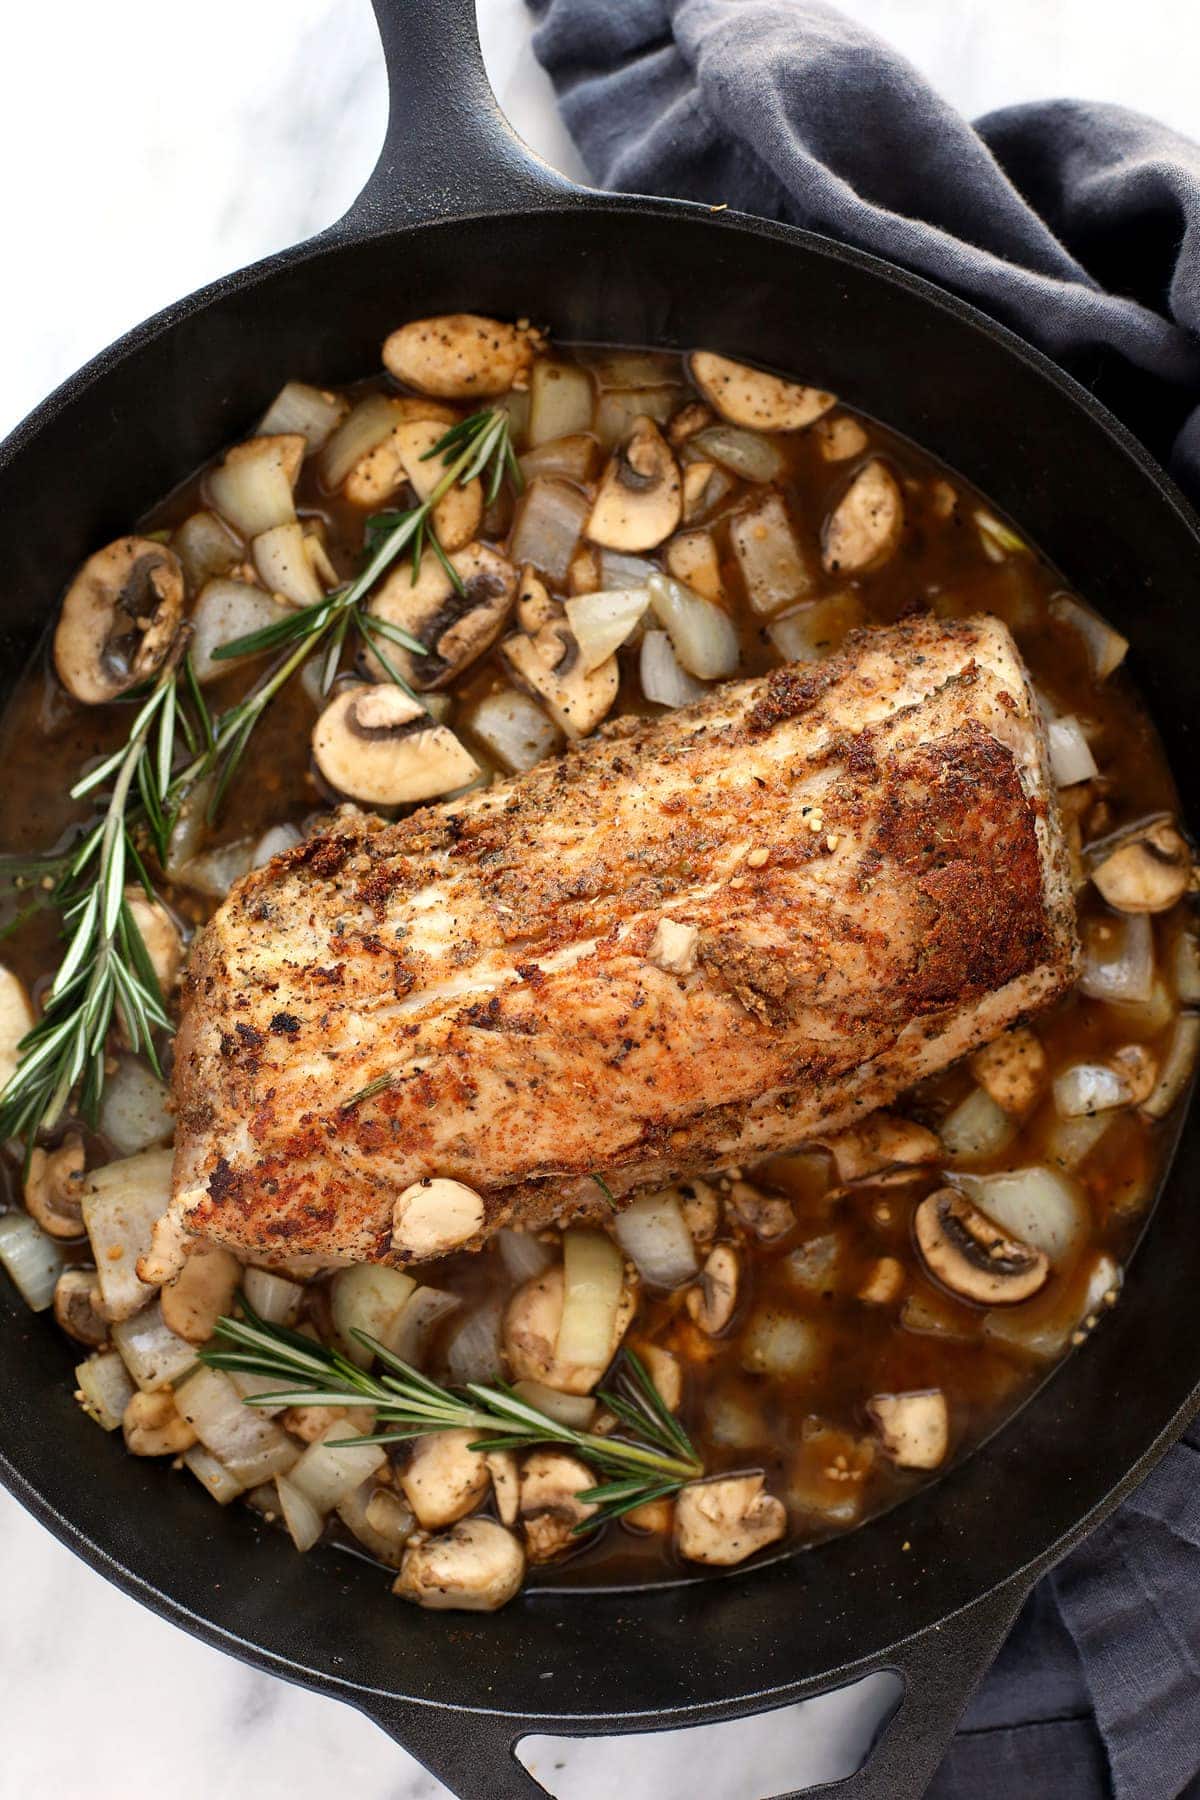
(448, 149)
(893, 1724)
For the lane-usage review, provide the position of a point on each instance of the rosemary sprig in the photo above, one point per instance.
(651, 1457)
(106, 965)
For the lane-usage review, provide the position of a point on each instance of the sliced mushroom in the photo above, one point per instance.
(445, 1479)
(704, 486)
(725, 1520)
(154, 1426)
(404, 455)
(435, 1216)
(914, 1428)
(384, 464)
(531, 1325)
(201, 1292)
(701, 1210)
(690, 419)
(1138, 1069)
(54, 1188)
(883, 1282)
(550, 1506)
(866, 525)
(377, 745)
(477, 1566)
(549, 666)
(768, 1216)
(583, 576)
(535, 607)
(506, 1484)
(665, 1372)
(1147, 871)
(880, 1142)
(751, 397)
(712, 1303)
(692, 558)
(77, 1307)
(118, 620)
(640, 499)
(461, 356)
(455, 627)
(839, 439)
(969, 1254)
(1012, 1070)
(160, 934)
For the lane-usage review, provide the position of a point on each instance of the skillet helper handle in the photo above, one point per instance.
(448, 149)
(474, 1754)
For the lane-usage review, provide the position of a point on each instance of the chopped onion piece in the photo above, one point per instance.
(1036, 1205)
(636, 369)
(215, 871)
(247, 1384)
(572, 457)
(380, 1519)
(105, 1389)
(703, 637)
(977, 1128)
(592, 1276)
(273, 1297)
(1069, 1142)
(816, 629)
(362, 431)
(252, 488)
(275, 842)
(252, 1448)
(1176, 1067)
(653, 1233)
(663, 681)
(512, 728)
(284, 565)
(575, 1410)
(412, 1329)
(618, 570)
(327, 1472)
(620, 408)
(747, 453)
(206, 547)
(1086, 1088)
(301, 1517)
(998, 539)
(523, 1254)
(367, 1298)
(783, 1344)
(560, 401)
(602, 622)
(774, 569)
(1118, 959)
(1187, 968)
(31, 1258)
(154, 1354)
(212, 1475)
(473, 1343)
(122, 1203)
(227, 610)
(1045, 1326)
(1106, 648)
(549, 522)
(308, 411)
(133, 1112)
(1146, 1018)
(1071, 758)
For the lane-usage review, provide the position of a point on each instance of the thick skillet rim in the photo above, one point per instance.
(1074, 397)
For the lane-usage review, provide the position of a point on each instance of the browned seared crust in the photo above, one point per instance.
(489, 956)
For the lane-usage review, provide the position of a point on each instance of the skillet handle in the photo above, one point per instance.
(448, 149)
(475, 1754)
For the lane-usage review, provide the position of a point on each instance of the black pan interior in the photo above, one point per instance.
(136, 423)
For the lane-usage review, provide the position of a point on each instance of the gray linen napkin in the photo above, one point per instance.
(1079, 226)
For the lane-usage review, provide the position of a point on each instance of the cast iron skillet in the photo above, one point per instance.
(459, 215)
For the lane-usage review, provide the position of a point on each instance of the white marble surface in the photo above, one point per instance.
(147, 148)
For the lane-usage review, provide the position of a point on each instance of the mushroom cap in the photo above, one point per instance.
(969, 1254)
(378, 745)
(54, 1188)
(379, 471)
(639, 501)
(461, 356)
(751, 397)
(713, 1301)
(445, 1479)
(77, 1306)
(865, 526)
(456, 628)
(551, 1483)
(724, 1520)
(476, 1566)
(118, 619)
(434, 1216)
(549, 666)
(914, 1428)
(1147, 871)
